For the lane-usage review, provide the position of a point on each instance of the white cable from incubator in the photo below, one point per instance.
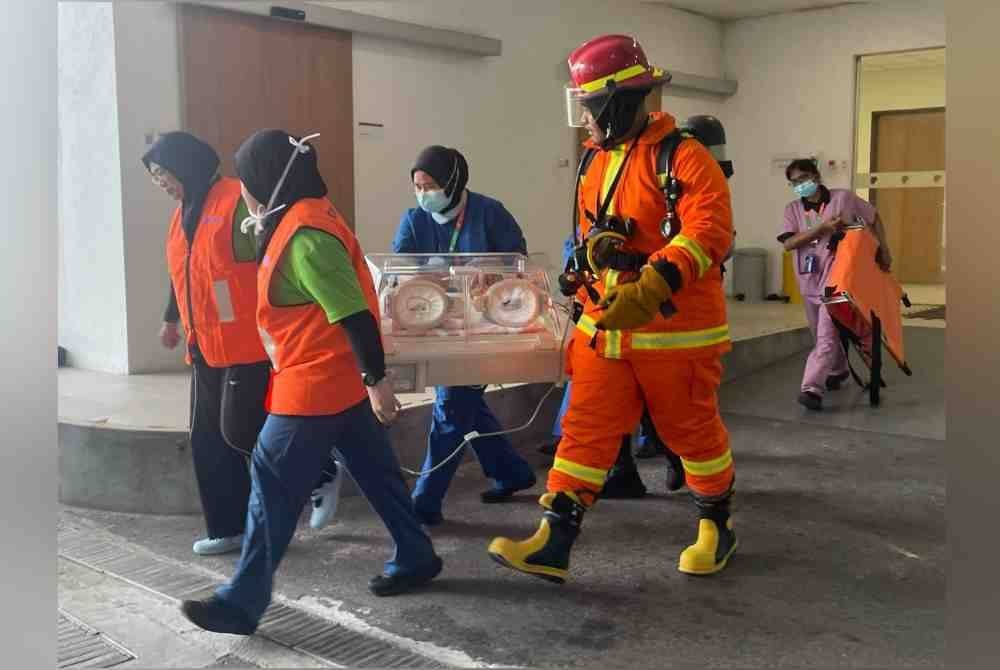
(475, 436)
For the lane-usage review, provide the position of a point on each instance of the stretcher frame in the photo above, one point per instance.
(862, 331)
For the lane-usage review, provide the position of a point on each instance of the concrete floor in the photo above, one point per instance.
(841, 523)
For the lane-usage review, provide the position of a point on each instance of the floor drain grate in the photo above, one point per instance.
(80, 646)
(288, 626)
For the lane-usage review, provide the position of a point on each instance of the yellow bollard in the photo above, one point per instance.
(789, 285)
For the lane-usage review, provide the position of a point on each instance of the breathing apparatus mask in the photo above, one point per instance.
(613, 109)
(603, 247)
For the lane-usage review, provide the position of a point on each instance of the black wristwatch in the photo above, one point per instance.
(371, 380)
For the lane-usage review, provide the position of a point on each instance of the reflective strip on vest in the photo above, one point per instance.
(269, 347)
(621, 75)
(611, 279)
(613, 344)
(709, 468)
(681, 340)
(587, 324)
(652, 341)
(584, 473)
(616, 157)
(223, 301)
(693, 248)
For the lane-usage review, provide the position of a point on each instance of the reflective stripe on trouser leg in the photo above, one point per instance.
(682, 399)
(604, 405)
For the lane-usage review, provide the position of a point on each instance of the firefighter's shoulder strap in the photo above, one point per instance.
(585, 160)
(669, 184)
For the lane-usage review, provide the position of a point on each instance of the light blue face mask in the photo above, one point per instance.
(432, 201)
(806, 189)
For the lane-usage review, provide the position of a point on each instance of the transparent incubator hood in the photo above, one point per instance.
(464, 304)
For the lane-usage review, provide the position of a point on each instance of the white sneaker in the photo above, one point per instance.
(325, 500)
(211, 546)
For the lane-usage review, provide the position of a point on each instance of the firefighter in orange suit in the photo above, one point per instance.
(653, 322)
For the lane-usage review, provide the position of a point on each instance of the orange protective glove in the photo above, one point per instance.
(633, 305)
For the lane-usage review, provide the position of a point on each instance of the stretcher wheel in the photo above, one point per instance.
(419, 305)
(512, 303)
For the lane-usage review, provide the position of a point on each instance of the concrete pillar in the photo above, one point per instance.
(91, 246)
(118, 87)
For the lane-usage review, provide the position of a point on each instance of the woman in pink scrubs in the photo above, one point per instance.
(813, 224)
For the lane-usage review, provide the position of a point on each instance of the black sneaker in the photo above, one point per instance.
(811, 401)
(499, 494)
(549, 448)
(623, 485)
(217, 616)
(649, 449)
(390, 585)
(675, 472)
(834, 382)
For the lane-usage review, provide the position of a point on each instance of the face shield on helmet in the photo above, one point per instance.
(583, 106)
(575, 109)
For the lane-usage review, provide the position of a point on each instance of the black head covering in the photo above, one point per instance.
(195, 165)
(448, 168)
(616, 113)
(260, 162)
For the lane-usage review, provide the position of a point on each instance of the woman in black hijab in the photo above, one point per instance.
(214, 280)
(212, 293)
(317, 315)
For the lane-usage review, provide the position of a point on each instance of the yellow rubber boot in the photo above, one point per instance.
(546, 553)
(716, 540)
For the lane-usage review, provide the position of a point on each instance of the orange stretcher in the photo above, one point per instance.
(864, 302)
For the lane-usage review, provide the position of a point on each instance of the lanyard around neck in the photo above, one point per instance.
(458, 230)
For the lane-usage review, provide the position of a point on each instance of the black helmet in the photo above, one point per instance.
(709, 131)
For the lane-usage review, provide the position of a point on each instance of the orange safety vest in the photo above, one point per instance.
(216, 295)
(699, 327)
(315, 371)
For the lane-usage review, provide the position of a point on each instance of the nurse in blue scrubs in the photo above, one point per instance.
(452, 219)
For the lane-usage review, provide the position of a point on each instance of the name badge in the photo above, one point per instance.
(808, 264)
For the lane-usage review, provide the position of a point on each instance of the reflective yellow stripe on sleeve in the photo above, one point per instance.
(693, 248)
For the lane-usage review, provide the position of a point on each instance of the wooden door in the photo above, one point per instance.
(911, 141)
(241, 73)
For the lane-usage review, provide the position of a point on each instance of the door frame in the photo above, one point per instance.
(855, 112)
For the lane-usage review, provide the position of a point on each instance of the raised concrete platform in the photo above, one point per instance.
(123, 440)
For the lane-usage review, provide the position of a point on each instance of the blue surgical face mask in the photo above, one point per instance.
(432, 201)
(806, 189)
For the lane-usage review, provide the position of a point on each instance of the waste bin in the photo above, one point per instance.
(750, 274)
(789, 283)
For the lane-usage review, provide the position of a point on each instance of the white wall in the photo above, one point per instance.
(149, 101)
(796, 95)
(506, 114)
(92, 314)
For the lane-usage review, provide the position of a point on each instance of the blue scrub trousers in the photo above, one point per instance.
(458, 410)
(289, 452)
